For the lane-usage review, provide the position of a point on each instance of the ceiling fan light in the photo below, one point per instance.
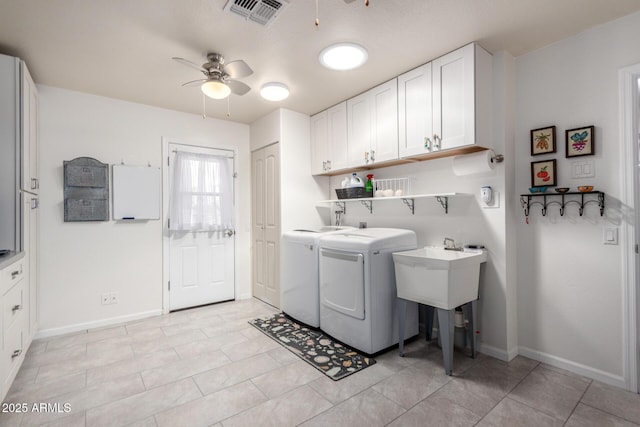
(215, 89)
(274, 91)
(343, 56)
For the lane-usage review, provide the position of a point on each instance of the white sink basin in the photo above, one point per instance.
(438, 277)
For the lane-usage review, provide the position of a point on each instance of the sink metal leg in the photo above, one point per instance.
(446, 325)
(401, 308)
(429, 312)
(470, 313)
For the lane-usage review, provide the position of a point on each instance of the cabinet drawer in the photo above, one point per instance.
(13, 352)
(13, 305)
(12, 275)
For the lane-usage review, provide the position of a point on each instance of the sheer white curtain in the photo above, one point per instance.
(201, 197)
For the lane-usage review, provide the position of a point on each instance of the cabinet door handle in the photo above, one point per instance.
(366, 157)
(15, 274)
(373, 155)
(16, 353)
(16, 308)
(436, 141)
(427, 143)
(35, 204)
(324, 165)
(329, 164)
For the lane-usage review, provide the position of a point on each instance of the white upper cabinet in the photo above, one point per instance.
(372, 125)
(337, 131)
(329, 140)
(319, 143)
(446, 104)
(415, 111)
(30, 180)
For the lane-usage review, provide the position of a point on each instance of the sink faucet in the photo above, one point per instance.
(450, 244)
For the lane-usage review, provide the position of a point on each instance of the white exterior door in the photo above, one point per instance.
(201, 266)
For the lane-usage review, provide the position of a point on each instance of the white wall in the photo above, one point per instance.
(80, 261)
(569, 283)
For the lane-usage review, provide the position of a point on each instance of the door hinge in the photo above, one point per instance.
(169, 282)
(167, 160)
(636, 248)
(168, 223)
(235, 174)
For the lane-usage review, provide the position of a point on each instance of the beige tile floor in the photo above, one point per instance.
(209, 367)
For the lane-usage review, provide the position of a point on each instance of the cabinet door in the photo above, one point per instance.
(384, 122)
(319, 143)
(415, 112)
(337, 139)
(454, 99)
(30, 235)
(359, 130)
(29, 147)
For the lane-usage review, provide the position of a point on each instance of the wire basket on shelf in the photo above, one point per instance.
(392, 187)
(353, 193)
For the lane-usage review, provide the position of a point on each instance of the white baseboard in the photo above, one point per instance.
(112, 321)
(576, 368)
(496, 352)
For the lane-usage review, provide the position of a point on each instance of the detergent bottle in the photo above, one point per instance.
(356, 181)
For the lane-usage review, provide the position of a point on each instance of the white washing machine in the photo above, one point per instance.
(299, 297)
(358, 287)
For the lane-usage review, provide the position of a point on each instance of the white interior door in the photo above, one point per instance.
(201, 265)
(265, 230)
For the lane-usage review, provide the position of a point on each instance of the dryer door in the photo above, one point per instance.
(342, 282)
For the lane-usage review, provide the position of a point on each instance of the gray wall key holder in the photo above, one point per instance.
(86, 190)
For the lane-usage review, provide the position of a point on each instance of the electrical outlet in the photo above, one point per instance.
(105, 299)
(114, 298)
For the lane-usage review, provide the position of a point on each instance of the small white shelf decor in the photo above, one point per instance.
(442, 198)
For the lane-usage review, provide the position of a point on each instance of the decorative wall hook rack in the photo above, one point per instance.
(562, 200)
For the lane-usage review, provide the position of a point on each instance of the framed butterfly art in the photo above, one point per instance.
(580, 141)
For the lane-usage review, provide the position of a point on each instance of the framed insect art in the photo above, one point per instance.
(543, 140)
(580, 141)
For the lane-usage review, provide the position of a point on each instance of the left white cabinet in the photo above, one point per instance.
(30, 180)
(19, 279)
(15, 321)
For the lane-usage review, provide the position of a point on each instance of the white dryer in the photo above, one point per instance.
(358, 287)
(299, 294)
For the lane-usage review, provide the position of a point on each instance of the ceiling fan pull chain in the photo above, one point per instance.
(317, 19)
(228, 106)
(204, 106)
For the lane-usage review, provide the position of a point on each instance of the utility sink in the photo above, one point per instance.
(438, 277)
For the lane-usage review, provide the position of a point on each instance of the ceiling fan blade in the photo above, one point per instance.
(194, 82)
(189, 64)
(237, 69)
(238, 88)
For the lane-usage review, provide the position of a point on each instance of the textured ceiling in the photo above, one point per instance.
(123, 48)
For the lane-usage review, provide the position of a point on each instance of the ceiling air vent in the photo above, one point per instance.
(264, 12)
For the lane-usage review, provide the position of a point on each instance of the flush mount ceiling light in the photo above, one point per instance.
(274, 91)
(343, 56)
(215, 89)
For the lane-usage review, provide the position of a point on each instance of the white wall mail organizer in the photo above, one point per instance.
(136, 192)
(86, 190)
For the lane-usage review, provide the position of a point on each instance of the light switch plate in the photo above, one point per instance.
(583, 169)
(610, 236)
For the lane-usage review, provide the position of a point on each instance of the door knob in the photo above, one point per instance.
(230, 232)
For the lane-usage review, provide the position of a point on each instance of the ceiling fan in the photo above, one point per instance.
(220, 78)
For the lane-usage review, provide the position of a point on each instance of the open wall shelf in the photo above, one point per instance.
(409, 201)
(562, 200)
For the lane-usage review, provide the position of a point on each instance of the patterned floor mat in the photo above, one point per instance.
(331, 358)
